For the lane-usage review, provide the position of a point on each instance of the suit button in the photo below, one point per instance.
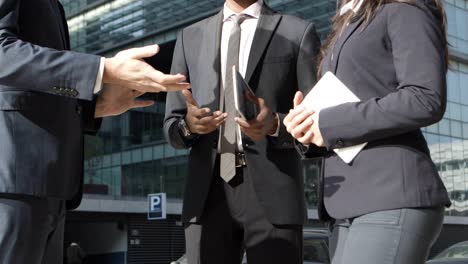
(246, 145)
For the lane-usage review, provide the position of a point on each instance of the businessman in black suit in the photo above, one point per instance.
(229, 205)
(48, 98)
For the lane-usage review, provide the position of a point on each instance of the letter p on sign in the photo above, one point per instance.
(157, 206)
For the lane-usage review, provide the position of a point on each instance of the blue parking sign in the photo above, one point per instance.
(156, 206)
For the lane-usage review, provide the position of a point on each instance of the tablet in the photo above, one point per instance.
(246, 108)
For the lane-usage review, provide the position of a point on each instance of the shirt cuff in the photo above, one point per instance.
(276, 134)
(100, 75)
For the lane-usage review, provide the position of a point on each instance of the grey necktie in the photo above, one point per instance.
(228, 138)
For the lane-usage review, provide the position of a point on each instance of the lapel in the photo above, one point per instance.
(267, 24)
(212, 48)
(61, 20)
(64, 25)
(341, 41)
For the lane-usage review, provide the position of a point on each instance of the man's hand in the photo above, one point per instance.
(128, 70)
(266, 122)
(200, 120)
(114, 100)
(303, 124)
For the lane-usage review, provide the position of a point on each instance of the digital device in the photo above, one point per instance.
(244, 97)
(330, 91)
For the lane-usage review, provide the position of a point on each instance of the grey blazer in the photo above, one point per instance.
(282, 61)
(46, 102)
(395, 65)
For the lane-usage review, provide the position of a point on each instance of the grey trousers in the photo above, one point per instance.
(31, 230)
(402, 236)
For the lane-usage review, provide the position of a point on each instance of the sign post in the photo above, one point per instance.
(157, 205)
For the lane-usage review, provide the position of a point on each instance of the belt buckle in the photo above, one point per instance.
(240, 160)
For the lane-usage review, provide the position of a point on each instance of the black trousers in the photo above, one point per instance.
(234, 222)
(31, 230)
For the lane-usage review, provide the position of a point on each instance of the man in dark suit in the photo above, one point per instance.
(48, 98)
(244, 190)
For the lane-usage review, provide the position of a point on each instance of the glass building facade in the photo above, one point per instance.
(448, 140)
(130, 158)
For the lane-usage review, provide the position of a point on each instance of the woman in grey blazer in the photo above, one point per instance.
(387, 205)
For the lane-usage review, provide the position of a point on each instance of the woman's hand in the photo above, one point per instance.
(313, 135)
(303, 124)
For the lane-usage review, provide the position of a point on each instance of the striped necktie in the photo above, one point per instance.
(228, 139)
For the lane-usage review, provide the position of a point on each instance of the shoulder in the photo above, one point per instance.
(200, 25)
(418, 8)
(289, 20)
(419, 20)
(297, 28)
(417, 15)
(296, 22)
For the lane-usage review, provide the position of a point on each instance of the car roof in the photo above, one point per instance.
(463, 243)
(459, 244)
(447, 261)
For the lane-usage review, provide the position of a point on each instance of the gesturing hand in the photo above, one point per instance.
(303, 124)
(266, 122)
(128, 70)
(200, 120)
(114, 100)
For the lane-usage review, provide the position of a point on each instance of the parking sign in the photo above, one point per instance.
(156, 206)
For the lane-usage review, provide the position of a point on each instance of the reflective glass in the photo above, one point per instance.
(457, 20)
(118, 22)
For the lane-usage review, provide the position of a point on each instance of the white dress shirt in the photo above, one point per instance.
(100, 75)
(353, 5)
(248, 28)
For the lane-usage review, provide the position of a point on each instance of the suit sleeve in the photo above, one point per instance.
(419, 99)
(306, 69)
(176, 107)
(32, 67)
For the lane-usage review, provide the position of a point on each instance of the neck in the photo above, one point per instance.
(239, 5)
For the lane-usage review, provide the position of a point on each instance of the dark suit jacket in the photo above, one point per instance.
(395, 65)
(282, 60)
(45, 101)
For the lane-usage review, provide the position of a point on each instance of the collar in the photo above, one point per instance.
(254, 10)
(353, 5)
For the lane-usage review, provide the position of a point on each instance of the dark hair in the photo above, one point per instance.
(368, 10)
